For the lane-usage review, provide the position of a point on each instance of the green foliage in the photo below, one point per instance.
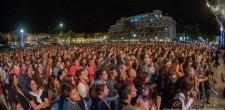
(61, 35)
(149, 31)
(3, 40)
(193, 31)
(128, 26)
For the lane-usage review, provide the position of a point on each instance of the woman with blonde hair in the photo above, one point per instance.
(122, 73)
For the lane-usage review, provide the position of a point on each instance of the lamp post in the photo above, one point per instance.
(22, 37)
(61, 29)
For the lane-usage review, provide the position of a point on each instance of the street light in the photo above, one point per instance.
(61, 25)
(22, 36)
(61, 30)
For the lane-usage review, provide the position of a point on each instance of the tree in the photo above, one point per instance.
(128, 27)
(70, 34)
(192, 31)
(61, 35)
(9, 38)
(3, 40)
(149, 31)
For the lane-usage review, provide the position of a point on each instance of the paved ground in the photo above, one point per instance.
(218, 102)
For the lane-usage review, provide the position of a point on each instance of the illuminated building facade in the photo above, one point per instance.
(145, 27)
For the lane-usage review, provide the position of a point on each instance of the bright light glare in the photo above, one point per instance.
(61, 25)
(208, 4)
(21, 30)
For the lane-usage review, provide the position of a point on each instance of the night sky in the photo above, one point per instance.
(36, 16)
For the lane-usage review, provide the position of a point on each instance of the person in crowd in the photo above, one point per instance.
(99, 102)
(131, 73)
(42, 81)
(53, 92)
(69, 79)
(101, 77)
(121, 58)
(112, 74)
(131, 107)
(72, 97)
(149, 97)
(83, 63)
(208, 86)
(153, 72)
(57, 67)
(39, 99)
(126, 93)
(136, 56)
(61, 75)
(122, 73)
(3, 102)
(83, 87)
(174, 104)
(139, 83)
(75, 67)
(67, 66)
(22, 78)
(185, 93)
(16, 68)
(91, 70)
(171, 82)
(17, 98)
(145, 67)
(48, 67)
(5, 76)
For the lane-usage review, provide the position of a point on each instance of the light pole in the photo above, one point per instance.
(22, 37)
(61, 29)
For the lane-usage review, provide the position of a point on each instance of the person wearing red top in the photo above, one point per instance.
(49, 67)
(16, 68)
(91, 70)
(131, 73)
(75, 67)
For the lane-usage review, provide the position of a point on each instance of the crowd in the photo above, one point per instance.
(109, 76)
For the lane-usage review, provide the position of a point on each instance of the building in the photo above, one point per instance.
(89, 38)
(145, 27)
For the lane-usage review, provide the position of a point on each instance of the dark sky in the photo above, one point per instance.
(37, 16)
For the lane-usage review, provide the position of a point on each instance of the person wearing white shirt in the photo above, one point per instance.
(185, 94)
